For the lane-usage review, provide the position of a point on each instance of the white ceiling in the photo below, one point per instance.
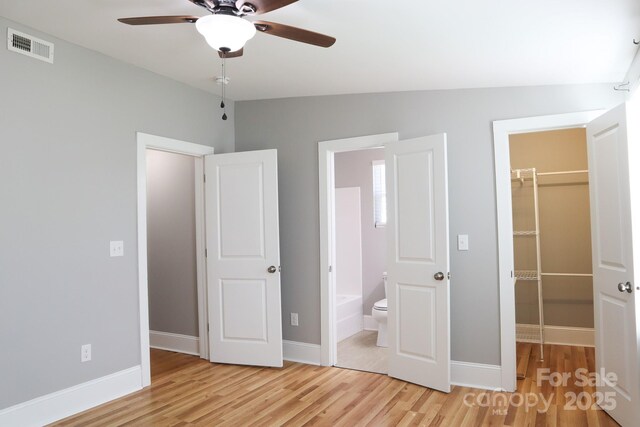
(381, 45)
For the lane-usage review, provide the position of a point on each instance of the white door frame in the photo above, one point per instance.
(501, 131)
(145, 141)
(326, 151)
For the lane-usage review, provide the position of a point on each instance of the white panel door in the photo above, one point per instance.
(613, 176)
(243, 278)
(418, 261)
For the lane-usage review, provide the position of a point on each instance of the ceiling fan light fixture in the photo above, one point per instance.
(225, 31)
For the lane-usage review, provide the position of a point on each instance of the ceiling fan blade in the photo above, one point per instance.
(152, 20)
(235, 54)
(293, 33)
(264, 6)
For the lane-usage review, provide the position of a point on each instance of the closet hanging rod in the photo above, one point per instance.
(567, 274)
(519, 177)
(562, 172)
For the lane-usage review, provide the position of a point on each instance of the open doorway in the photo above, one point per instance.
(360, 260)
(552, 242)
(328, 150)
(417, 241)
(611, 138)
(196, 152)
(503, 130)
(239, 325)
(171, 252)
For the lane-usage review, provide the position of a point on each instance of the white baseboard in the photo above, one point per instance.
(562, 335)
(476, 375)
(64, 403)
(370, 324)
(301, 352)
(174, 342)
(585, 337)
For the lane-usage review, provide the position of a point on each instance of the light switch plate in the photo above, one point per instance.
(116, 248)
(463, 242)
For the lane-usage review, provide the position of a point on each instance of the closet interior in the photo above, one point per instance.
(552, 238)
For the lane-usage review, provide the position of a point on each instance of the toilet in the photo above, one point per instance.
(379, 313)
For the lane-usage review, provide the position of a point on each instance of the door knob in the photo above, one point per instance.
(439, 275)
(272, 269)
(625, 287)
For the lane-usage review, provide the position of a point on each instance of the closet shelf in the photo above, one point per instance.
(525, 233)
(527, 275)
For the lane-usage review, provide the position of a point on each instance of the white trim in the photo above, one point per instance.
(65, 403)
(201, 261)
(174, 342)
(370, 324)
(301, 352)
(501, 131)
(326, 151)
(143, 286)
(476, 375)
(173, 145)
(561, 335)
(145, 141)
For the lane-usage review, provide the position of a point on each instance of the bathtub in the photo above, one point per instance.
(349, 319)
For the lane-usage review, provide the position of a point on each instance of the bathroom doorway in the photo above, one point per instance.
(360, 260)
(417, 234)
(417, 240)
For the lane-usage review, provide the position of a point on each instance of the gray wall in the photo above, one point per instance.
(171, 243)
(68, 187)
(295, 125)
(353, 169)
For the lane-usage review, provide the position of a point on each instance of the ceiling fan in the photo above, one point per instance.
(227, 31)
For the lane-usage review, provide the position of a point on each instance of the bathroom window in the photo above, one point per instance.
(379, 194)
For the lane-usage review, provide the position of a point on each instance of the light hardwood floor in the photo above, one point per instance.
(360, 352)
(187, 391)
(523, 356)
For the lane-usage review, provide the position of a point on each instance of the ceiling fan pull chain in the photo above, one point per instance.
(223, 78)
(224, 83)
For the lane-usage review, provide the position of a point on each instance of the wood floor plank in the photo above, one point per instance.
(523, 357)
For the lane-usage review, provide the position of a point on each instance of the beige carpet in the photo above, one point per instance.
(360, 352)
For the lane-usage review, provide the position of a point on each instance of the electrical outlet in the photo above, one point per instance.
(294, 319)
(85, 353)
(116, 248)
